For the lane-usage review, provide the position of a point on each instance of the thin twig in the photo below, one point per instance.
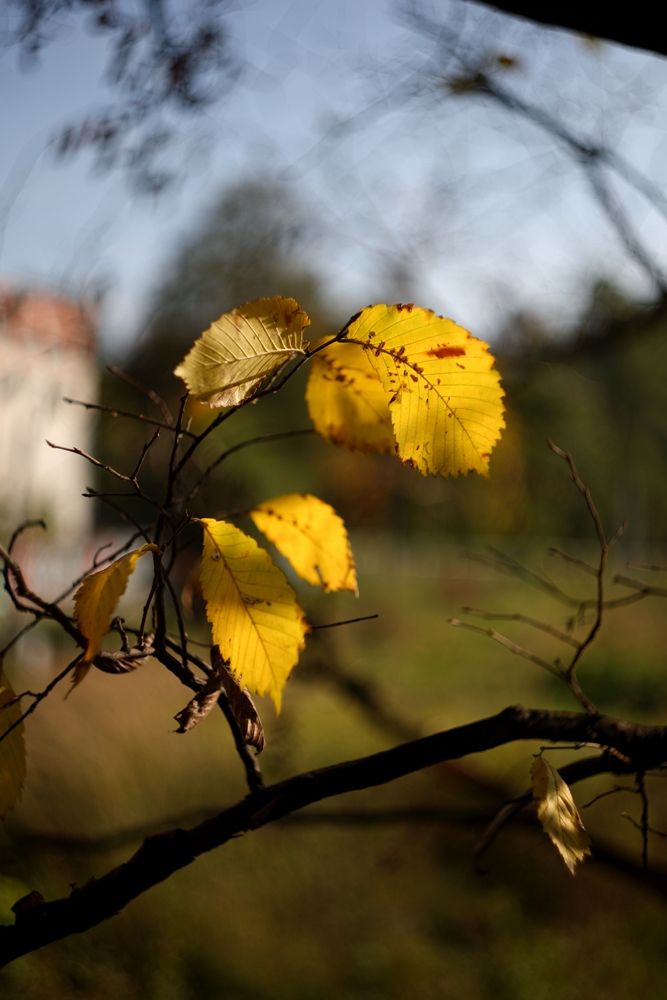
(512, 646)
(610, 791)
(144, 451)
(348, 621)
(507, 564)
(638, 826)
(605, 546)
(152, 395)
(572, 559)
(628, 581)
(93, 461)
(260, 439)
(41, 696)
(114, 411)
(31, 523)
(526, 620)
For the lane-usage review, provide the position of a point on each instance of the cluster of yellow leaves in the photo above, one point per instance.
(96, 600)
(558, 814)
(427, 390)
(12, 749)
(401, 379)
(255, 619)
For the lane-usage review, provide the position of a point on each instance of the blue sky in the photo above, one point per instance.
(491, 215)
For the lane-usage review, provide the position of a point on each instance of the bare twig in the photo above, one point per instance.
(572, 559)
(93, 461)
(526, 620)
(41, 696)
(31, 523)
(144, 451)
(644, 588)
(260, 439)
(605, 546)
(610, 791)
(114, 411)
(348, 621)
(512, 646)
(158, 400)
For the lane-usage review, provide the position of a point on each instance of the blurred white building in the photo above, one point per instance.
(47, 351)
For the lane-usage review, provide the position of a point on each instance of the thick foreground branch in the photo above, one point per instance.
(39, 923)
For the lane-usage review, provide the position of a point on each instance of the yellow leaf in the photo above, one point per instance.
(346, 401)
(95, 602)
(240, 349)
(312, 536)
(12, 749)
(446, 398)
(252, 609)
(558, 814)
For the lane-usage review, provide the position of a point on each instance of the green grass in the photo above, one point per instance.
(295, 912)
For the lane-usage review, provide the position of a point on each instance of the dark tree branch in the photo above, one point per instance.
(640, 28)
(38, 922)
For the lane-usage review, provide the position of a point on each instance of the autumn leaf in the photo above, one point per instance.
(312, 536)
(12, 749)
(445, 394)
(241, 704)
(95, 602)
(558, 814)
(255, 618)
(199, 707)
(241, 348)
(346, 400)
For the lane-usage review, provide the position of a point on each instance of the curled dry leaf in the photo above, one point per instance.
(312, 536)
(445, 395)
(12, 748)
(347, 402)
(254, 615)
(558, 814)
(241, 704)
(200, 706)
(241, 348)
(95, 602)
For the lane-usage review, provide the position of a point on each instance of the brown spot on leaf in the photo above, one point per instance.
(443, 351)
(408, 305)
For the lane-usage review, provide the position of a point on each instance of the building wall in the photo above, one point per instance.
(47, 349)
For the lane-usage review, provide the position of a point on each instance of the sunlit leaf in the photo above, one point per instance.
(346, 400)
(95, 602)
(255, 618)
(240, 349)
(558, 814)
(12, 749)
(312, 536)
(445, 394)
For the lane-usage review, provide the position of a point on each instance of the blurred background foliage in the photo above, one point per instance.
(602, 401)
